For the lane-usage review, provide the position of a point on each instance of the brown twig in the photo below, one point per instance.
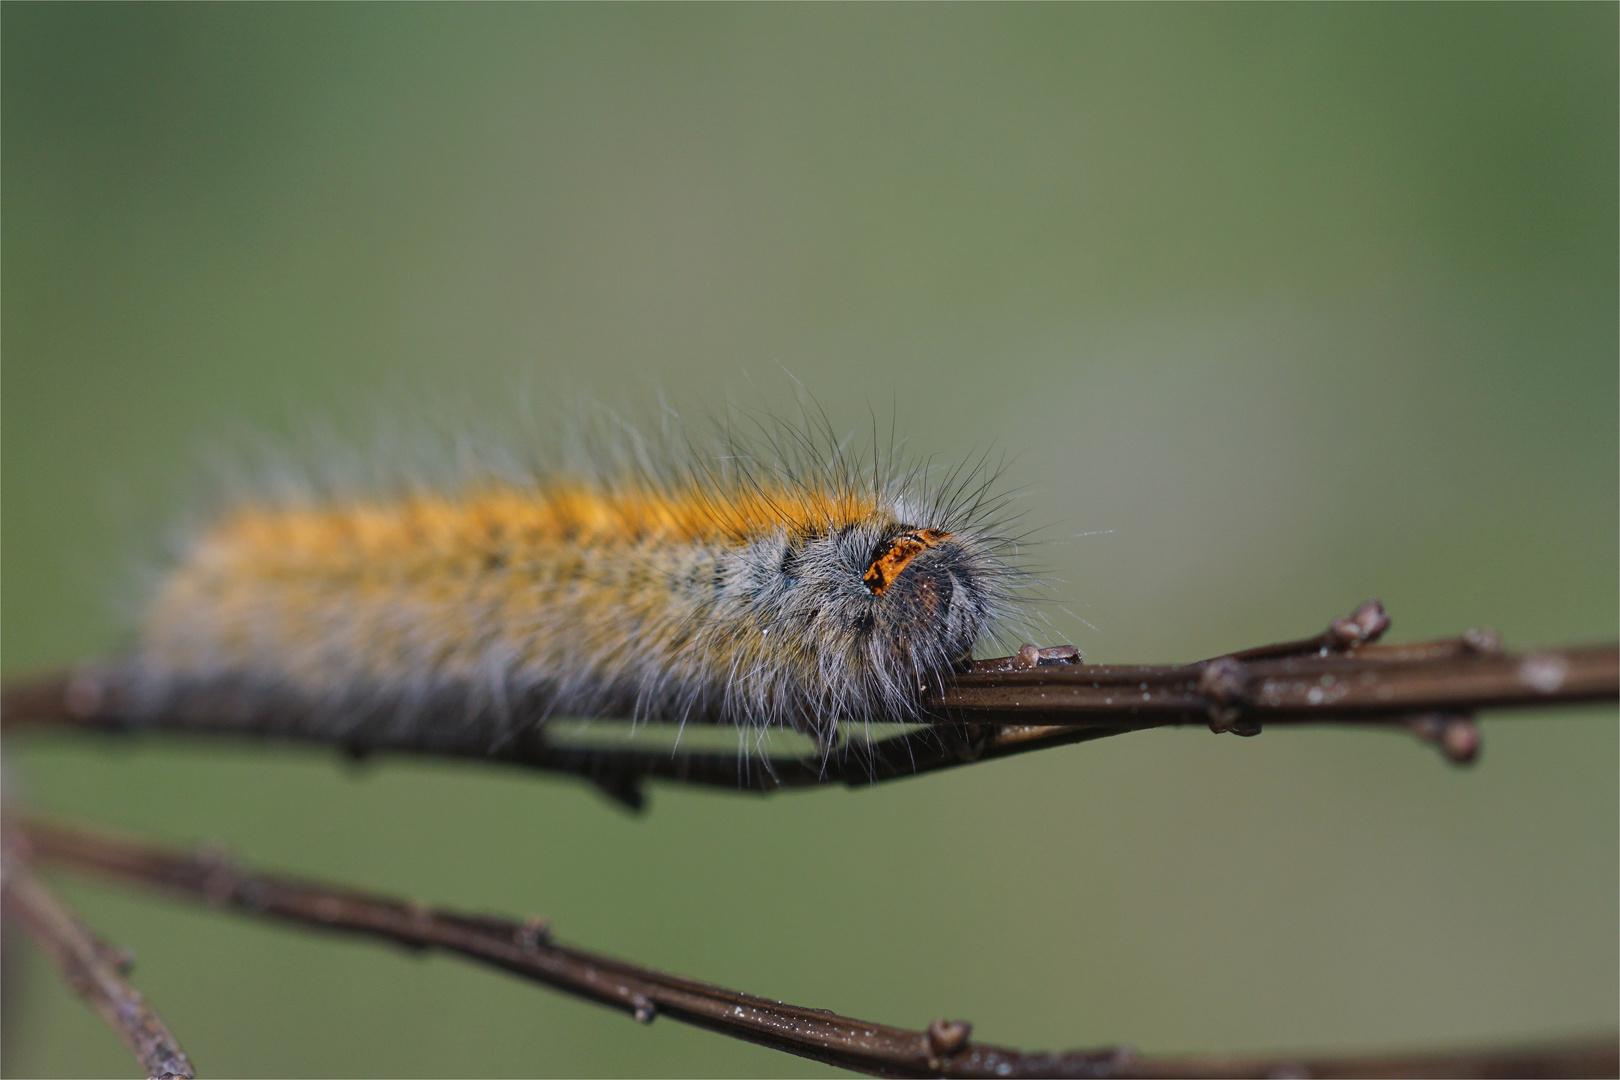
(1033, 700)
(93, 969)
(527, 949)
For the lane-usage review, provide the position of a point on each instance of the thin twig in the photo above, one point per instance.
(527, 949)
(93, 969)
(991, 709)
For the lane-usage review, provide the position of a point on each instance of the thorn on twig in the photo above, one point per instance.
(419, 918)
(1457, 736)
(946, 1038)
(536, 932)
(1030, 656)
(643, 1009)
(1362, 626)
(115, 957)
(966, 741)
(624, 788)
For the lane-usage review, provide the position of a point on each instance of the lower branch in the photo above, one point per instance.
(92, 968)
(528, 950)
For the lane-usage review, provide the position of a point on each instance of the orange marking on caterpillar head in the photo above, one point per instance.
(897, 554)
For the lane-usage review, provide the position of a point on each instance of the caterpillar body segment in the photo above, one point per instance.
(795, 599)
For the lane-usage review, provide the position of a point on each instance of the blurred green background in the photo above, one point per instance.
(1289, 305)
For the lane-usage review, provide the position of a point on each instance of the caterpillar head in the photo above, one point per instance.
(928, 598)
(858, 616)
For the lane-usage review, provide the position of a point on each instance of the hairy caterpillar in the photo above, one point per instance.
(792, 585)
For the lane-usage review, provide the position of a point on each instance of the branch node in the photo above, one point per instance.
(1544, 672)
(643, 1009)
(1482, 640)
(623, 786)
(1030, 656)
(1225, 682)
(945, 1039)
(83, 697)
(966, 742)
(220, 878)
(536, 932)
(1362, 626)
(252, 895)
(1455, 734)
(116, 957)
